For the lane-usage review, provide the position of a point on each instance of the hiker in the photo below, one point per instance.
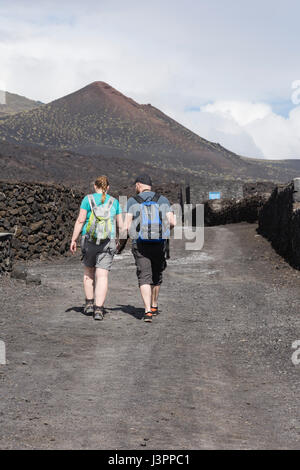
(99, 216)
(149, 219)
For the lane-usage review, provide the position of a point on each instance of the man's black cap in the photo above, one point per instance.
(144, 179)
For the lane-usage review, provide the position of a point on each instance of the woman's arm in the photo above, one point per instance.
(77, 229)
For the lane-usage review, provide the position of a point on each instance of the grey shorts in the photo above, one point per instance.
(98, 256)
(150, 261)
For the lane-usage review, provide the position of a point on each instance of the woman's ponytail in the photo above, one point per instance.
(102, 183)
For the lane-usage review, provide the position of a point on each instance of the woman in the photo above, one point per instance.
(98, 245)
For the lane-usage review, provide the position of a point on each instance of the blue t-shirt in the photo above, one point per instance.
(115, 209)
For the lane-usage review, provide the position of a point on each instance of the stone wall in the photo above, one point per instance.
(41, 216)
(279, 222)
(221, 212)
(5, 253)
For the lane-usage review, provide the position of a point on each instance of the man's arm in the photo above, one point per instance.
(121, 226)
(171, 219)
(124, 231)
(77, 229)
(128, 221)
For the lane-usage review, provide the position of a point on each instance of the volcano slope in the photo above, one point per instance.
(212, 371)
(99, 120)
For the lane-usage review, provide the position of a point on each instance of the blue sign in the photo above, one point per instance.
(214, 195)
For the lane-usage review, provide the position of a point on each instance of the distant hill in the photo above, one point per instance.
(98, 120)
(36, 164)
(15, 103)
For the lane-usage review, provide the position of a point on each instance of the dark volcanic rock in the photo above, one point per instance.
(225, 211)
(33, 279)
(47, 214)
(5, 252)
(279, 222)
(19, 272)
(36, 226)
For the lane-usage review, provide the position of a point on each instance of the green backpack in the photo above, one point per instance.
(99, 227)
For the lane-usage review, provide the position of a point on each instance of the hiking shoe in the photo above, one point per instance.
(98, 313)
(89, 307)
(148, 317)
(154, 311)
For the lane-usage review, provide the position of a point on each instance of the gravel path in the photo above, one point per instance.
(214, 370)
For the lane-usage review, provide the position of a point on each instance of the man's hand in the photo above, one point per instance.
(120, 246)
(73, 247)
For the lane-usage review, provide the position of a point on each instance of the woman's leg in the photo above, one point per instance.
(89, 282)
(101, 286)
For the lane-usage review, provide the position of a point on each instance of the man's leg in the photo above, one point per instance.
(146, 296)
(144, 274)
(155, 294)
(89, 282)
(158, 264)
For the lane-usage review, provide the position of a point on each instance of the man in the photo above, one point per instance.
(149, 220)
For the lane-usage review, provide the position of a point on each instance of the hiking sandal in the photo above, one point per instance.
(154, 311)
(148, 317)
(89, 307)
(98, 313)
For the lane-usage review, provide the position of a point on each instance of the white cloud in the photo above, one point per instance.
(249, 129)
(241, 112)
(277, 136)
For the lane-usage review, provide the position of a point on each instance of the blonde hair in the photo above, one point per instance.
(102, 183)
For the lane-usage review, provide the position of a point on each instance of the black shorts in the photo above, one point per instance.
(150, 262)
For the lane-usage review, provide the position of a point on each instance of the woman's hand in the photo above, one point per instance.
(73, 247)
(77, 229)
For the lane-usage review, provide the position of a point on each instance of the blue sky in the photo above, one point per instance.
(224, 69)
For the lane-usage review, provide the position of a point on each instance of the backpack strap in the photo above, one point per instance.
(92, 202)
(139, 199)
(110, 202)
(94, 205)
(155, 197)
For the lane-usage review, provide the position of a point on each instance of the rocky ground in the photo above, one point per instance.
(214, 370)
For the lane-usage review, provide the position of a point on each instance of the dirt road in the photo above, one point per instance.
(214, 370)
